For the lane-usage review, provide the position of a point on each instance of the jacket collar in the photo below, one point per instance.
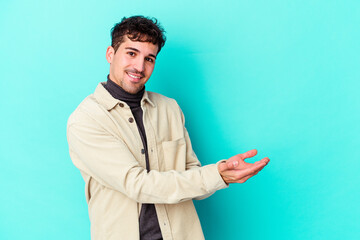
(109, 102)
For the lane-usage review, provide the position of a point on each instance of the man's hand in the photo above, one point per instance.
(236, 170)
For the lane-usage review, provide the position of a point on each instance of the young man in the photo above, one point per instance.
(133, 150)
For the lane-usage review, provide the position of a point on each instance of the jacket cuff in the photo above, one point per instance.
(213, 179)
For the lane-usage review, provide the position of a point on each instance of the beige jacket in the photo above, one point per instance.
(106, 147)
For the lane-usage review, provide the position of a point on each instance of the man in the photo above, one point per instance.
(133, 150)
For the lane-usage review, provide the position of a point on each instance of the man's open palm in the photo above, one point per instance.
(236, 170)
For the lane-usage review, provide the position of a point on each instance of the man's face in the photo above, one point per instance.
(132, 64)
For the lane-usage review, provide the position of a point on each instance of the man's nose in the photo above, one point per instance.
(139, 65)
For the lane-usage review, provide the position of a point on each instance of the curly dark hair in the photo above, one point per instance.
(138, 28)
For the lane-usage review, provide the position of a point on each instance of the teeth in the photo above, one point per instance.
(133, 76)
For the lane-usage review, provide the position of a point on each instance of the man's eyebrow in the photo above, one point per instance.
(152, 55)
(136, 50)
(131, 48)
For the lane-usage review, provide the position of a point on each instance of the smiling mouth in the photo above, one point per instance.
(134, 77)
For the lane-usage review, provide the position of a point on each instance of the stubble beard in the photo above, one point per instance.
(131, 88)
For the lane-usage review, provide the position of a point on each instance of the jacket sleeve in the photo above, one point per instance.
(106, 158)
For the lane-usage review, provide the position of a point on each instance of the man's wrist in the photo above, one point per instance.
(220, 172)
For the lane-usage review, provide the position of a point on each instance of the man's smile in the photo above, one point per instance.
(134, 76)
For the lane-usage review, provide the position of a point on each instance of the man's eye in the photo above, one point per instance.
(131, 54)
(149, 59)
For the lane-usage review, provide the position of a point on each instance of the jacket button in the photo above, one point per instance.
(131, 120)
(142, 151)
(121, 104)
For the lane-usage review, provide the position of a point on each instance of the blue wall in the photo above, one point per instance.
(279, 76)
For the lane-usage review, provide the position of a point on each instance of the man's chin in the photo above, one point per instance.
(133, 89)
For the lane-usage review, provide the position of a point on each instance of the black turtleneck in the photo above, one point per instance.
(148, 222)
(134, 101)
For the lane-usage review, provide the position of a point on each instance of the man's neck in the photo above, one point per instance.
(133, 100)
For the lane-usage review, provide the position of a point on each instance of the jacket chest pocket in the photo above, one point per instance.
(174, 155)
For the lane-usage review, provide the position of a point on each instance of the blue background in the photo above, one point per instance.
(279, 76)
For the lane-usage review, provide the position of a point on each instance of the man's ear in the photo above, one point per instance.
(110, 54)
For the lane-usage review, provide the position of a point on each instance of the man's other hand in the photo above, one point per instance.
(236, 170)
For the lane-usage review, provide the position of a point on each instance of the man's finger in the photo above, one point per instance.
(244, 179)
(226, 165)
(250, 171)
(248, 154)
(233, 162)
(229, 164)
(253, 170)
(265, 160)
